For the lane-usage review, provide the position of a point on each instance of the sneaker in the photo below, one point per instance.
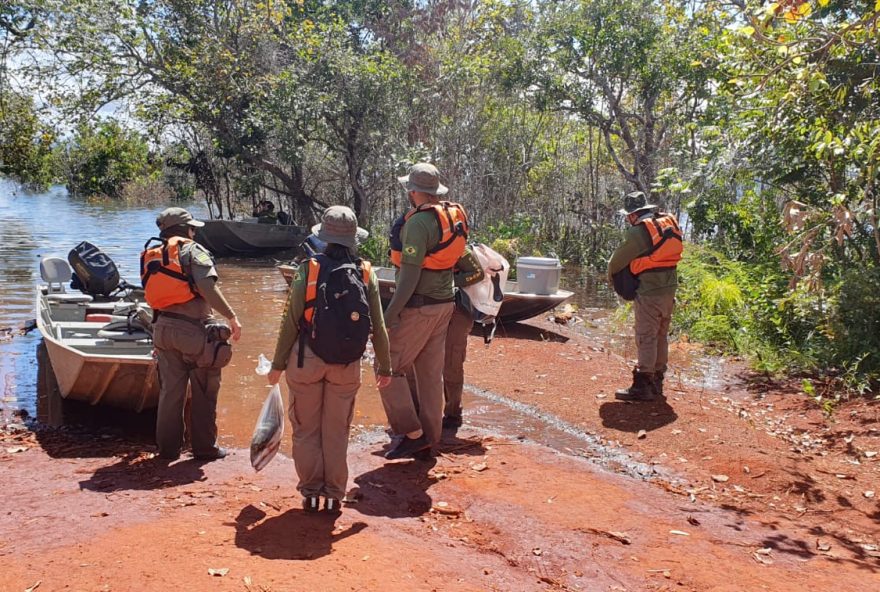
(332, 505)
(407, 447)
(216, 454)
(311, 503)
(451, 422)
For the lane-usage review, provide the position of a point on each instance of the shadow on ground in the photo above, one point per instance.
(293, 535)
(634, 417)
(135, 471)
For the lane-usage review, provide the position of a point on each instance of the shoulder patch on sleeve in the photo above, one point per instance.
(409, 250)
(201, 257)
(297, 277)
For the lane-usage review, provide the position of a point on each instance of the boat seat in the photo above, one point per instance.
(56, 272)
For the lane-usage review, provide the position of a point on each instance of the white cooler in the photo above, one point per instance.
(538, 275)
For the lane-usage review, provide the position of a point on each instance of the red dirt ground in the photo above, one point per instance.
(750, 488)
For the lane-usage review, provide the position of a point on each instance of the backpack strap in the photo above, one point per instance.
(305, 324)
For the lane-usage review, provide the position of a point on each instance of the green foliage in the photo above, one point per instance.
(100, 159)
(25, 142)
(855, 325)
(376, 248)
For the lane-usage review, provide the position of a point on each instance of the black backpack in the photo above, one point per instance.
(336, 319)
(95, 270)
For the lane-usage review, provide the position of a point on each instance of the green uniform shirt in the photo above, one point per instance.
(419, 235)
(636, 243)
(293, 312)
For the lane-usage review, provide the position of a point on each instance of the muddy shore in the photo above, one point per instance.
(742, 486)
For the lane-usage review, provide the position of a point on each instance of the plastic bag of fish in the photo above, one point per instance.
(269, 430)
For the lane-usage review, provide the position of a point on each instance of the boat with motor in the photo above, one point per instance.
(517, 306)
(98, 350)
(248, 238)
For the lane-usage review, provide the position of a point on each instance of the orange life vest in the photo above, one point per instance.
(666, 245)
(453, 223)
(164, 280)
(312, 286)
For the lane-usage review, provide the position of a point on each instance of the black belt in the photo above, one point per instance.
(418, 301)
(179, 317)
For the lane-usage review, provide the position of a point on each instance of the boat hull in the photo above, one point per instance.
(227, 238)
(517, 306)
(123, 375)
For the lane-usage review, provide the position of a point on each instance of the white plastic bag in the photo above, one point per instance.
(270, 425)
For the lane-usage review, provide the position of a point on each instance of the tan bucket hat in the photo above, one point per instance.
(175, 217)
(424, 177)
(339, 225)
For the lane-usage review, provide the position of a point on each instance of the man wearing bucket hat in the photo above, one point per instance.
(650, 252)
(323, 380)
(427, 243)
(180, 283)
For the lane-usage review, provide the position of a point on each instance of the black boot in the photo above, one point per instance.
(642, 388)
(658, 382)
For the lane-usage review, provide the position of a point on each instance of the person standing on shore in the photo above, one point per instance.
(180, 283)
(650, 252)
(432, 239)
(332, 307)
(468, 271)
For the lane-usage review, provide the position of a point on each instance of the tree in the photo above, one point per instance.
(635, 70)
(25, 142)
(100, 159)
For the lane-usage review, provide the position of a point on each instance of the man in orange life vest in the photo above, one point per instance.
(433, 238)
(651, 251)
(180, 284)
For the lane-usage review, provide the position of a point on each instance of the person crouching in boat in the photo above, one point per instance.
(332, 308)
(180, 284)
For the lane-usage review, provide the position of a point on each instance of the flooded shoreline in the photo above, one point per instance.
(30, 231)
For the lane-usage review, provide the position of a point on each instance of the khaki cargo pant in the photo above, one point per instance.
(460, 325)
(321, 409)
(653, 315)
(418, 342)
(178, 344)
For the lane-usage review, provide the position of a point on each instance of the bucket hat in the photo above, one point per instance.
(424, 177)
(175, 217)
(634, 202)
(339, 225)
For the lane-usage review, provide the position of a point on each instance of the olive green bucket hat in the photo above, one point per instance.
(424, 177)
(635, 202)
(339, 225)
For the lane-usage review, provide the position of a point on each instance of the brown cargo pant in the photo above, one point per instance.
(653, 315)
(460, 325)
(418, 341)
(321, 409)
(178, 344)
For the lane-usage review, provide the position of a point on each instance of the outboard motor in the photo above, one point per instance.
(95, 272)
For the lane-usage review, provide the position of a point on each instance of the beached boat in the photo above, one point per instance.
(90, 361)
(247, 238)
(517, 306)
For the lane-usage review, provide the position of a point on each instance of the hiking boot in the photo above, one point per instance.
(408, 447)
(311, 503)
(658, 383)
(332, 505)
(215, 454)
(450, 422)
(168, 455)
(424, 455)
(642, 388)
